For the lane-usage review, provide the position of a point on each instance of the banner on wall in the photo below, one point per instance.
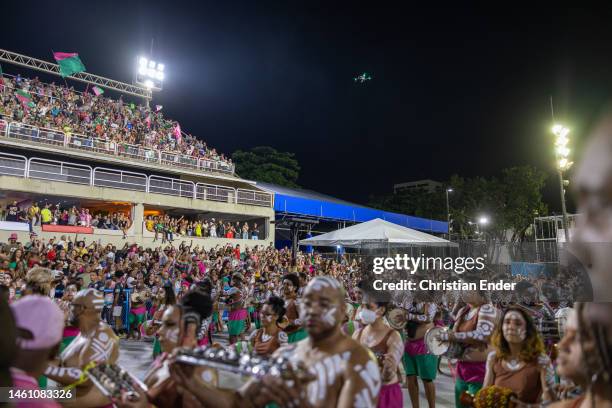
(14, 226)
(68, 229)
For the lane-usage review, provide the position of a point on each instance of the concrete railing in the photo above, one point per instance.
(53, 170)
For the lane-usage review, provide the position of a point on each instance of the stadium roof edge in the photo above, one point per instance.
(310, 203)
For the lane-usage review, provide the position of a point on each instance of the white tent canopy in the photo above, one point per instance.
(376, 232)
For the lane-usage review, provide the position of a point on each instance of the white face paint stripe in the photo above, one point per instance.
(329, 316)
(173, 334)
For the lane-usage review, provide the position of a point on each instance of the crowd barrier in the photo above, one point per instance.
(53, 170)
(74, 141)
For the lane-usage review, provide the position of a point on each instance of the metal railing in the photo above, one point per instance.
(170, 186)
(53, 170)
(252, 197)
(125, 180)
(212, 192)
(69, 140)
(13, 165)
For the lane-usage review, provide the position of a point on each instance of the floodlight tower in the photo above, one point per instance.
(563, 164)
(149, 74)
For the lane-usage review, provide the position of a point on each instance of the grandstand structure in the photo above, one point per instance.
(43, 160)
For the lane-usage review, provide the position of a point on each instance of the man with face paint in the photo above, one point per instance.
(179, 328)
(344, 373)
(96, 342)
(519, 361)
(294, 329)
(386, 344)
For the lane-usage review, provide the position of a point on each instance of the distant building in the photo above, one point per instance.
(428, 186)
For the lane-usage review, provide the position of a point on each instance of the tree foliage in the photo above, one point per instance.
(264, 163)
(510, 203)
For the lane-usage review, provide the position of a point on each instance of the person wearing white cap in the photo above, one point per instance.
(96, 342)
(40, 324)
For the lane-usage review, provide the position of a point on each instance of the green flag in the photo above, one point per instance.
(23, 96)
(69, 63)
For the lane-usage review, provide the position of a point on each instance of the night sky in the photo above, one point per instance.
(463, 90)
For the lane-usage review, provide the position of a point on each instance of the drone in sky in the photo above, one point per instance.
(363, 77)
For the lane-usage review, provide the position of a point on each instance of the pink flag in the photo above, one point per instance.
(148, 121)
(63, 55)
(177, 133)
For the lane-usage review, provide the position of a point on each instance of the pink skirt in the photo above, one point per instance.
(240, 314)
(138, 310)
(471, 371)
(416, 347)
(390, 396)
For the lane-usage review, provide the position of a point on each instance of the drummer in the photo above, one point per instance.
(418, 362)
(473, 327)
(386, 344)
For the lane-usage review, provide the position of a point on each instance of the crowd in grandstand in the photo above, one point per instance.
(54, 214)
(113, 121)
(167, 228)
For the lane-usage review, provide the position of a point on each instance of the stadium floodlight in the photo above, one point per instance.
(562, 153)
(483, 220)
(150, 74)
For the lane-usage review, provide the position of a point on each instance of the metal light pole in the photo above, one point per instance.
(448, 223)
(563, 164)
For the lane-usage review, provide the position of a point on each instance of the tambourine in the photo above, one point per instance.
(397, 318)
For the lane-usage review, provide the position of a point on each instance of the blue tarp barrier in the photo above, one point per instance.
(334, 211)
(529, 269)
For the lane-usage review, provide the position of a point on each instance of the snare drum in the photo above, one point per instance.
(434, 345)
(437, 347)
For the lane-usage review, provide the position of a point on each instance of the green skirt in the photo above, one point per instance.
(137, 319)
(236, 327)
(297, 335)
(215, 317)
(157, 350)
